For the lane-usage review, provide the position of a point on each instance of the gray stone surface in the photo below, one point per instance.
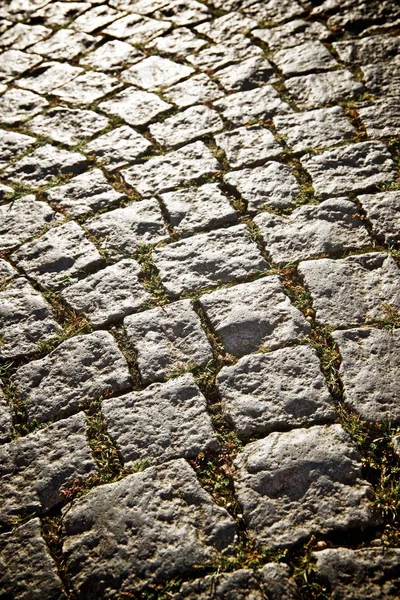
(137, 30)
(245, 75)
(48, 76)
(57, 256)
(179, 42)
(35, 468)
(87, 88)
(108, 295)
(14, 63)
(64, 44)
(22, 35)
(111, 56)
(208, 259)
(356, 168)
(384, 78)
(123, 230)
(188, 12)
(248, 145)
(67, 125)
(352, 290)
(368, 50)
(256, 401)
(222, 28)
(315, 129)
(155, 73)
(371, 573)
(195, 209)
(27, 570)
(169, 171)
(19, 105)
(186, 126)
(167, 339)
(87, 192)
(302, 482)
(7, 272)
(292, 33)
(95, 18)
(81, 369)
(383, 211)
(60, 13)
(6, 192)
(305, 58)
(26, 319)
(312, 91)
(134, 106)
(199, 88)
(271, 185)
(370, 372)
(6, 422)
(164, 422)
(329, 228)
(234, 49)
(272, 11)
(118, 147)
(381, 119)
(252, 316)
(163, 509)
(12, 144)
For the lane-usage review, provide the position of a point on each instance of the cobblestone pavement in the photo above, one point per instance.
(200, 299)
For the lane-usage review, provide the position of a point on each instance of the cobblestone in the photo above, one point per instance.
(134, 106)
(111, 56)
(48, 76)
(14, 63)
(199, 88)
(11, 145)
(119, 147)
(67, 125)
(312, 91)
(382, 119)
(19, 105)
(261, 103)
(383, 211)
(154, 73)
(188, 125)
(248, 145)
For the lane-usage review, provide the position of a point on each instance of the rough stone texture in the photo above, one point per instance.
(35, 468)
(371, 573)
(121, 231)
(6, 192)
(60, 13)
(134, 106)
(235, 49)
(256, 401)
(261, 103)
(12, 144)
(383, 79)
(111, 56)
(118, 147)
(169, 171)
(87, 88)
(67, 125)
(81, 369)
(44, 165)
(186, 126)
(244, 75)
(137, 30)
(48, 76)
(58, 255)
(154, 73)
(22, 219)
(199, 88)
(292, 34)
(370, 372)
(248, 145)
(189, 12)
(312, 91)
(331, 227)
(356, 168)
(93, 19)
(272, 185)
(255, 315)
(382, 119)
(383, 211)
(178, 42)
(26, 319)
(163, 509)
(108, 295)
(65, 44)
(21, 35)
(164, 422)
(223, 27)
(368, 50)
(270, 10)
(14, 63)
(87, 192)
(208, 259)
(315, 129)
(6, 422)
(352, 290)
(19, 105)
(167, 339)
(302, 482)
(305, 58)
(7, 272)
(27, 570)
(195, 209)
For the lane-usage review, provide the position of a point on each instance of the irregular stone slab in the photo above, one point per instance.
(247, 145)
(81, 369)
(60, 13)
(382, 119)
(22, 219)
(93, 19)
(352, 290)
(254, 315)
(312, 91)
(356, 168)
(155, 73)
(270, 10)
(304, 58)
(371, 573)
(22, 35)
(164, 422)
(19, 105)
(169, 171)
(44, 164)
(134, 106)
(35, 468)
(235, 49)
(195, 209)
(108, 295)
(370, 372)
(119, 147)
(121, 231)
(167, 339)
(189, 12)
(6, 422)
(244, 75)
(315, 129)
(358, 17)
(48, 76)
(383, 79)
(12, 144)
(6, 192)
(136, 29)
(14, 62)
(208, 259)
(186, 126)
(368, 50)
(179, 42)
(65, 44)
(302, 482)
(111, 56)
(87, 88)
(87, 192)
(383, 211)
(255, 400)
(199, 88)
(152, 509)
(58, 255)
(261, 103)
(67, 125)
(7, 272)
(222, 28)
(332, 227)
(292, 33)
(271, 185)
(28, 572)
(26, 319)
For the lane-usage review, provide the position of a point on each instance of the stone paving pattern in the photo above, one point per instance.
(191, 194)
